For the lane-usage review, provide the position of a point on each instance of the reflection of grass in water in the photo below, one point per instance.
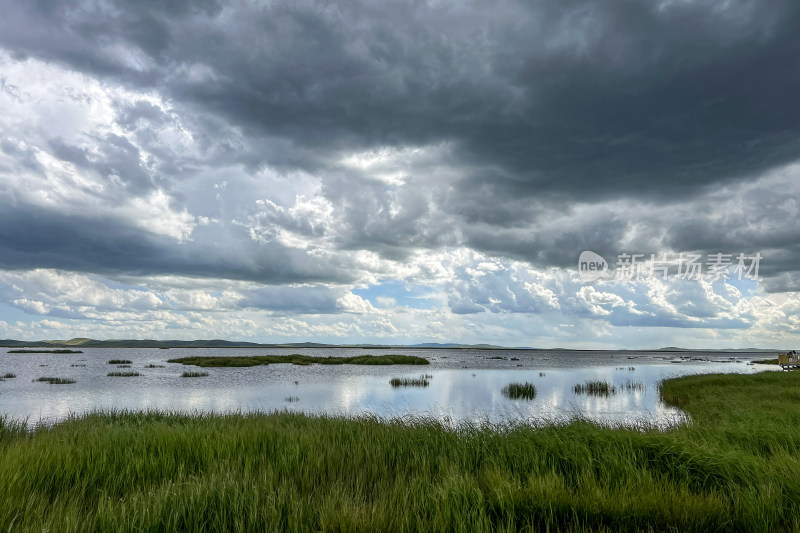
(80, 365)
(301, 360)
(631, 386)
(120, 362)
(595, 388)
(520, 391)
(154, 366)
(735, 467)
(409, 382)
(194, 374)
(292, 399)
(541, 374)
(123, 374)
(55, 381)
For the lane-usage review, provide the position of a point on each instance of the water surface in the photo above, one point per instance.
(466, 384)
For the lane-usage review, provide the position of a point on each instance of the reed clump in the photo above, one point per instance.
(55, 381)
(520, 391)
(409, 382)
(595, 388)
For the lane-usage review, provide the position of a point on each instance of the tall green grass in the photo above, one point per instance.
(734, 467)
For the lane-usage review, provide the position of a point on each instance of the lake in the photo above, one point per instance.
(466, 385)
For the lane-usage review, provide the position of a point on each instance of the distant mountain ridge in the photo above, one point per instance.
(221, 343)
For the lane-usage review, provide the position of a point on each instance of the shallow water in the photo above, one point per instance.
(466, 384)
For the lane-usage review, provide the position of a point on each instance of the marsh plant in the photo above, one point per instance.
(120, 362)
(55, 381)
(409, 382)
(194, 374)
(153, 366)
(633, 386)
(520, 391)
(595, 388)
(123, 374)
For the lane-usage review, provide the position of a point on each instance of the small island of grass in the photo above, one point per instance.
(300, 360)
(45, 351)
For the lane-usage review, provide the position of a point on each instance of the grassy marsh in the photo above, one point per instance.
(734, 467)
(297, 359)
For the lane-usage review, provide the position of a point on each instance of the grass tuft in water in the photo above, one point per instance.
(55, 381)
(123, 374)
(409, 382)
(595, 388)
(292, 399)
(194, 374)
(154, 366)
(120, 362)
(9, 375)
(520, 391)
(633, 386)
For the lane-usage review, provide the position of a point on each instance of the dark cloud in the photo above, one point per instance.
(36, 238)
(546, 109)
(579, 98)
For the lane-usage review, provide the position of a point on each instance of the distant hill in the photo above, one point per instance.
(221, 343)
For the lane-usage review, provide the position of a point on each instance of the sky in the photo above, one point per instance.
(402, 172)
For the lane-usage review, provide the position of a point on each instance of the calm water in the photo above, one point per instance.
(466, 384)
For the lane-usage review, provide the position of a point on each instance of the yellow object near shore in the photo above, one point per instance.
(789, 361)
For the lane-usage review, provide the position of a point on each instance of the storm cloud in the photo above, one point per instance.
(313, 148)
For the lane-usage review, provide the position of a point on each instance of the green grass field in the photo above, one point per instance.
(302, 360)
(735, 467)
